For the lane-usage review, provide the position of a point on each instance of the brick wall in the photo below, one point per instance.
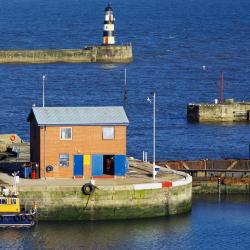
(85, 140)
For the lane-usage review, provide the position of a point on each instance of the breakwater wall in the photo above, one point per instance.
(109, 202)
(98, 54)
(225, 112)
(205, 187)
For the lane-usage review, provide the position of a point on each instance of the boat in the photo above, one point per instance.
(11, 214)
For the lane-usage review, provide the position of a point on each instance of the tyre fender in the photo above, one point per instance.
(88, 188)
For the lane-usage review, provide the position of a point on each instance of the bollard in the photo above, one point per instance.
(146, 156)
(143, 155)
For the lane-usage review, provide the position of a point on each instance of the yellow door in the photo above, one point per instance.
(87, 166)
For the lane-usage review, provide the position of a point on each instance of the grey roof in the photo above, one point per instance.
(79, 115)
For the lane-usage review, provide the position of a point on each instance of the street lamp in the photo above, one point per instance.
(149, 100)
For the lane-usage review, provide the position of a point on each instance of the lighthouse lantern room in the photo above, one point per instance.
(108, 31)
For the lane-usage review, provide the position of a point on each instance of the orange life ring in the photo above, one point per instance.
(13, 138)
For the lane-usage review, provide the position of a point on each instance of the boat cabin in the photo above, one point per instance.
(9, 204)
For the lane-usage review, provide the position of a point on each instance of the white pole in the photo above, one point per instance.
(143, 156)
(14, 185)
(154, 138)
(125, 76)
(43, 88)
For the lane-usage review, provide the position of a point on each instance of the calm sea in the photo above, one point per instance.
(172, 41)
(212, 224)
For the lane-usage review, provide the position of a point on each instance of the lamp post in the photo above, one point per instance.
(43, 89)
(154, 136)
(154, 173)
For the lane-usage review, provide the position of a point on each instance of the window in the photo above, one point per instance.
(66, 133)
(3, 201)
(13, 201)
(108, 133)
(63, 160)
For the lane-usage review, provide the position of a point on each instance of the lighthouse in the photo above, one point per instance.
(108, 30)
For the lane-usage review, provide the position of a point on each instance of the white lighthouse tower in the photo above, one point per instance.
(108, 31)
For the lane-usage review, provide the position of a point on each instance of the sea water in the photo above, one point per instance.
(172, 41)
(212, 224)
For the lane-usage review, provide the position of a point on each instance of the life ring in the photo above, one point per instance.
(13, 138)
(88, 188)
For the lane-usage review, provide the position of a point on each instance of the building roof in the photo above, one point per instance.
(114, 115)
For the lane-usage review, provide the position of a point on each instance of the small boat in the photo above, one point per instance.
(11, 215)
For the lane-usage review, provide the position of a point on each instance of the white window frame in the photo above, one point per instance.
(108, 138)
(66, 139)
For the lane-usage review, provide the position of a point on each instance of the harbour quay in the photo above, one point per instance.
(223, 176)
(78, 168)
(227, 111)
(135, 195)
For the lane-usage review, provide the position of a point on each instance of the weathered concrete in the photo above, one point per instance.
(225, 112)
(133, 196)
(99, 54)
(68, 203)
(212, 188)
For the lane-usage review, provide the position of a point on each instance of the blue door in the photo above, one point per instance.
(120, 165)
(78, 165)
(97, 165)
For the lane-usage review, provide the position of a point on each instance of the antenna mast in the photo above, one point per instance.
(221, 86)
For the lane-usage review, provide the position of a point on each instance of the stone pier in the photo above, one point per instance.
(227, 111)
(88, 54)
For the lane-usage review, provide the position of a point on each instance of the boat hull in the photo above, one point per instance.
(17, 220)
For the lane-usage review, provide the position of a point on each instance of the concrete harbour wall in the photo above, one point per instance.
(231, 112)
(99, 54)
(108, 202)
(212, 188)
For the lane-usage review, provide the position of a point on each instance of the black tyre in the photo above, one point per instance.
(88, 188)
